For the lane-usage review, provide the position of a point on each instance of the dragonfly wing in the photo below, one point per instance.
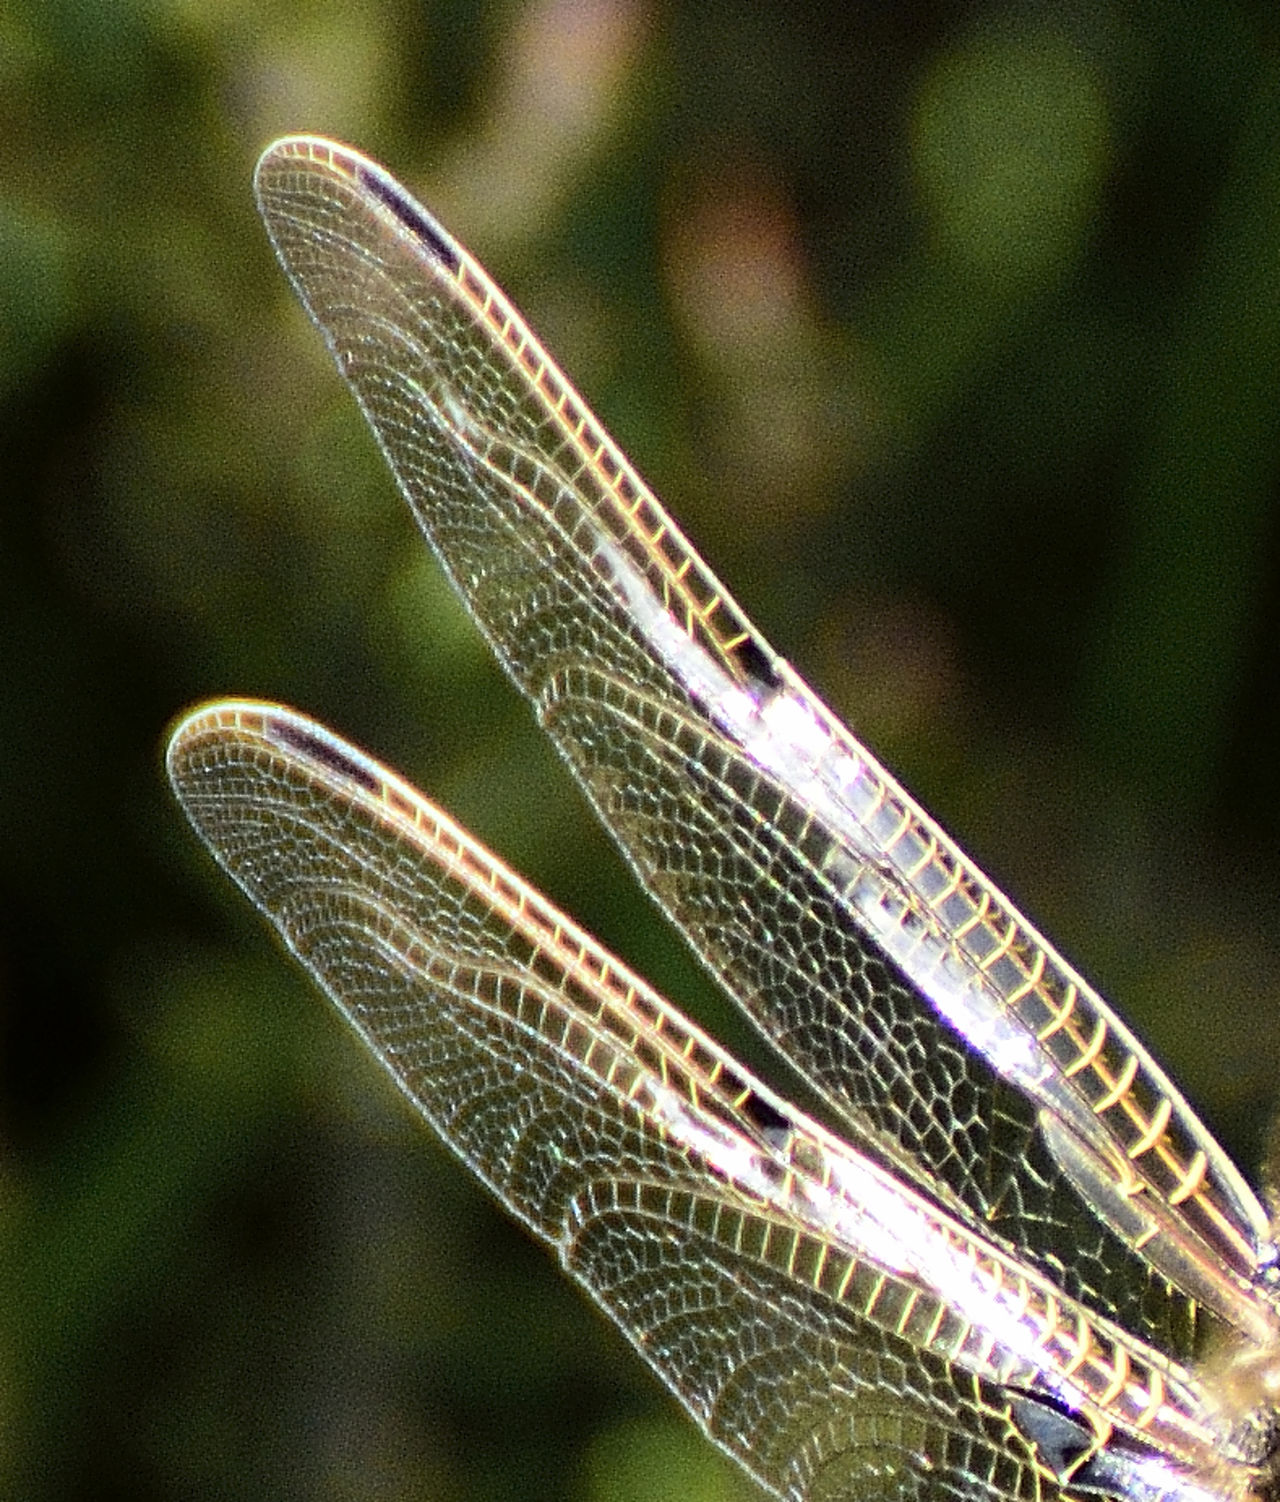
(789, 1292)
(927, 1011)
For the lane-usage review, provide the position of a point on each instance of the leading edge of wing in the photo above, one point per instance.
(506, 470)
(616, 1130)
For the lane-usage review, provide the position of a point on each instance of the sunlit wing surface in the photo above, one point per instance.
(1022, 1305)
(830, 1327)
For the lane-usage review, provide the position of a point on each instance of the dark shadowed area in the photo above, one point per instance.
(950, 332)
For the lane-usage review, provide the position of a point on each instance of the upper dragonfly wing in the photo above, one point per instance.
(930, 1015)
(833, 1330)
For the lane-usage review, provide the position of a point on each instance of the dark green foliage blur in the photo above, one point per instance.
(950, 331)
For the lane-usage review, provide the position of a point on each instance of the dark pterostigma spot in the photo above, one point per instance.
(433, 239)
(757, 664)
(320, 749)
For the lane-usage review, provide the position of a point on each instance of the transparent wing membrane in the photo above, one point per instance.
(779, 1282)
(1002, 1286)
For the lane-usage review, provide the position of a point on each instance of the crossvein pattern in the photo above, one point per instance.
(1005, 1281)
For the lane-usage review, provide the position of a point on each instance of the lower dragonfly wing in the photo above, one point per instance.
(824, 1324)
(929, 1013)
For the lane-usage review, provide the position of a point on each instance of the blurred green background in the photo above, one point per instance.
(951, 332)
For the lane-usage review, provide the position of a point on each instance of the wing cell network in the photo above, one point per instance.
(1000, 1287)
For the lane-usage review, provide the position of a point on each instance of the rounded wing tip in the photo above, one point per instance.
(306, 166)
(315, 150)
(196, 723)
